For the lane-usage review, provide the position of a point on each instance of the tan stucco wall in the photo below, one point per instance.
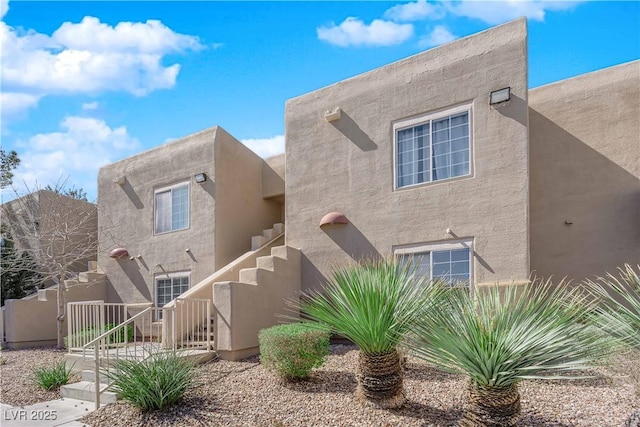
(32, 322)
(260, 301)
(585, 170)
(241, 210)
(273, 177)
(36, 221)
(225, 211)
(127, 212)
(347, 165)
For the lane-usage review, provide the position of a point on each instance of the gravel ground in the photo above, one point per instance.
(244, 394)
(16, 383)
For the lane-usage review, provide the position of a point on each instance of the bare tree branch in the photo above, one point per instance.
(60, 234)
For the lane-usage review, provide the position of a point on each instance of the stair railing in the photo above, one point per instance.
(186, 326)
(132, 339)
(89, 319)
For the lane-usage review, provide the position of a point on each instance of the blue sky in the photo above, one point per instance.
(88, 83)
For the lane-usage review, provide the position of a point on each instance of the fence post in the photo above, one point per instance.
(96, 356)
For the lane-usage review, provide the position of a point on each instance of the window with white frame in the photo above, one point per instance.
(170, 286)
(172, 208)
(433, 147)
(450, 261)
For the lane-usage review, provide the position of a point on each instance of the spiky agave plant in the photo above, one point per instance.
(500, 336)
(372, 303)
(619, 310)
(620, 304)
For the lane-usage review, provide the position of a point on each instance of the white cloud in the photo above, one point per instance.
(77, 151)
(151, 37)
(91, 57)
(4, 8)
(90, 105)
(415, 11)
(266, 147)
(439, 35)
(354, 32)
(13, 103)
(497, 12)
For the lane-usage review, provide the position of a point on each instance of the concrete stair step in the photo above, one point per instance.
(90, 375)
(270, 262)
(85, 390)
(89, 276)
(269, 234)
(284, 252)
(278, 228)
(265, 262)
(257, 242)
(250, 275)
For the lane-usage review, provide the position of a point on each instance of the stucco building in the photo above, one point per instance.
(421, 164)
(445, 158)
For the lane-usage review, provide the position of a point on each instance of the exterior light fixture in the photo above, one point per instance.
(499, 96)
(119, 180)
(200, 177)
(119, 253)
(332, 116)
(333, 218)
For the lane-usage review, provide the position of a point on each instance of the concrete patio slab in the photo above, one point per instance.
(60, 412)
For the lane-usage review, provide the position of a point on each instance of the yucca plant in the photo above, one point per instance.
(620, 304)
(500, 336)
(373, 304)
(619, 310)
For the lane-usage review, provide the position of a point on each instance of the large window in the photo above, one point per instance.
(170, 286)
(450, 262)
(433, 148)
(172, 208)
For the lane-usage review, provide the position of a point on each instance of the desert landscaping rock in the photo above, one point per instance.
(17, 387)
(245, 394)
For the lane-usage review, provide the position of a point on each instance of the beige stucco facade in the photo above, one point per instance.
(39, 219)
(553, 186)
(31, 321)
(585, 173)
(224, 212)
(348, 165)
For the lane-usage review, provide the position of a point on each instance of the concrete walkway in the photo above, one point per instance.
(61, 412)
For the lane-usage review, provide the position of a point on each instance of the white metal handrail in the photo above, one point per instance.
(184, 326)
(89, 319)
(102, 342)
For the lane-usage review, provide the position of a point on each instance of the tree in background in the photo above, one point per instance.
(17, 270)
(59, 233)
(8, 162)
(73, 192)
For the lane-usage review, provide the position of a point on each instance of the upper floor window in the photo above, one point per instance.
(433, 147)
(172, 208)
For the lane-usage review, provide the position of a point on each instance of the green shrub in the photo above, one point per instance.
(293, 350)
(83, 336)
(154, 383)
(50, 378)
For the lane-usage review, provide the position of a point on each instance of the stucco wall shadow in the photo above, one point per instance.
(584, 207)
(132, 270)
(351, 240)
(131, 193)
(350, 129)
(517, 109)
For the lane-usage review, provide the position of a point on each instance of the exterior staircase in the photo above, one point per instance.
(85, 389)
(247, 295)
(254, 301)
(267, 235)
